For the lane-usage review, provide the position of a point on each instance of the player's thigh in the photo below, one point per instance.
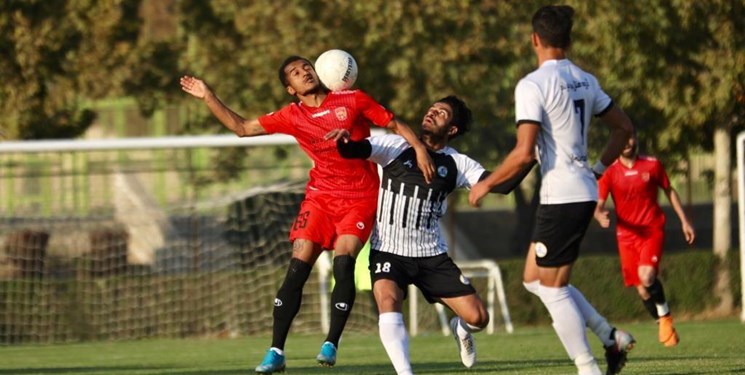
(651, 243)
(629, 249)
(559, 230)
(439, 277)
(354, 218)
(314, 223)
(387, 269)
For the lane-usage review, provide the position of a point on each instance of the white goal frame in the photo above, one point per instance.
(741, 215)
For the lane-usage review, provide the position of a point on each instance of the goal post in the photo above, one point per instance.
(741, 215)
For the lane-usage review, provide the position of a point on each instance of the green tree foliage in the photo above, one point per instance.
(58, 55)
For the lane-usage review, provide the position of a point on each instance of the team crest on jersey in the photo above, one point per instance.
(442, 171)
(540, 249)
(645, 176)
(341, 113)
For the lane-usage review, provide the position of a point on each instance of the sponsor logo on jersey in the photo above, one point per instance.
(360, 225)
(540, 249)
(277, 302)
(442, 171)
(464, 280)
(341, 113)
(319, 114)
(341, 306)
(630, 173)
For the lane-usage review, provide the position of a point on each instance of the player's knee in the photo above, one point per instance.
(476, 318)
(646, 279)
(297, 274)
(344, 268)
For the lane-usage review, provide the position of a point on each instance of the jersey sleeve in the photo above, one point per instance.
(385, 148)
(528, 102)
(278, 121)
(469, 171)
(662, 178)
(602, 102)
(372, 110)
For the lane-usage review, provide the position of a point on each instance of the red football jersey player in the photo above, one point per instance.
(341, 196)
(634, 182)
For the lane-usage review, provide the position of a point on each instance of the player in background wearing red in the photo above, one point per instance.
(338, 211)
(633, 181)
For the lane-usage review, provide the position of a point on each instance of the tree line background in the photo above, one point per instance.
(677, 67)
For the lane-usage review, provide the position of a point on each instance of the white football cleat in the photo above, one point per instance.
(466, 345)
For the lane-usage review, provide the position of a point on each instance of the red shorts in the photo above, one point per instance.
(639, 248)
(322, 219)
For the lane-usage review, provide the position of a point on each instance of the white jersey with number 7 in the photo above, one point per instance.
(562, 98)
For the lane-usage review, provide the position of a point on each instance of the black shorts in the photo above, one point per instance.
(437, 277)
(558, 232)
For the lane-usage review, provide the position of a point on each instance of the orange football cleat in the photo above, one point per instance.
(668, 336)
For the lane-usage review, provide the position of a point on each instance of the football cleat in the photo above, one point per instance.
(668, 335)
(327, 356)
(615, 354)
(273, 362)
(466, 344)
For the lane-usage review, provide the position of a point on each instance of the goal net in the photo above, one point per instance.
(132, 238)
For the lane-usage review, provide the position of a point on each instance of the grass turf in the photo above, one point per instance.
(707, 347)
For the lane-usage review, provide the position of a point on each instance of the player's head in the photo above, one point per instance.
(446, 119)
(553, 25)
(298, 76)
(632, 147)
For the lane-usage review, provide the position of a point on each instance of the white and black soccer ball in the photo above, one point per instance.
(336, 69)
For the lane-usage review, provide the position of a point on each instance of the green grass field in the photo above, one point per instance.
(707, 347)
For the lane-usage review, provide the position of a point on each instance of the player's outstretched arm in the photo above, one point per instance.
(688, 231)
(423, 160)
(521, 156)
(510, 185)
(233, 121)
(621, 130)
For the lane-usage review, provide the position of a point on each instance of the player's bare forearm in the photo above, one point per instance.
(519, 159)
(515, 164)
(686, 226)
(233, 121)
(621, 129)
(424, 161)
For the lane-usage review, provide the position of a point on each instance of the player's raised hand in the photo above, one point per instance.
(477, 192)
(337, 134)
(603, 217)
(425, 164)
(194, 86)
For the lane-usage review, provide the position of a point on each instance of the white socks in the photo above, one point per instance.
(596, 322)
(569, 326)
(395, 339)
(662, 309)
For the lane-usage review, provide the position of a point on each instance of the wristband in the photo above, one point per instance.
(599, 167)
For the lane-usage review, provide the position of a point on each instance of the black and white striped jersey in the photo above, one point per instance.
(409, 210)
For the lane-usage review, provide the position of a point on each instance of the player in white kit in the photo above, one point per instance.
(553, 108)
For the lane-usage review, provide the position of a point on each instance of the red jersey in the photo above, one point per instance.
(635, 192)
(331, 174)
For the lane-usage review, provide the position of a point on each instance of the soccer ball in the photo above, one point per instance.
(336, 69)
